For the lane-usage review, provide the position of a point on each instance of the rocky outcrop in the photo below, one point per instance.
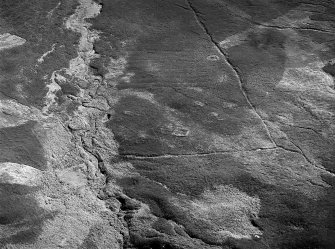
(8, 41)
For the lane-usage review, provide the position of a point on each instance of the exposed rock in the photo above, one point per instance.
(8, 41)
(13, 173)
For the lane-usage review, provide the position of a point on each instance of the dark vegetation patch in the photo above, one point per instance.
(125, 20)
(165, 59)
(90, 242)
(21, 212)
(15, 206)
(208, 108)
(107, 47)
(268, 40)
(327, 15)
(185, 176)
(265, 11)
(315, 144)
(328, 159)
(72, 107)
(163, 226)
(261, 63)
(327, 207)
(214, 13)
(179, 69)
(17, 188)
(97, 67)
(60, 97)
(19, 145)
(158, 198)
(137, 127)
(220, 107)
(149, 243)
(8, 64)
(142, 128)
(326, 39)
(19, 66)
(178, 60)
(329, 69)
(167, 66)
(69, 89)
(190, 176)
(145, 128)
(287, 218)
(149, 192)
(161, 28)
(128, 204)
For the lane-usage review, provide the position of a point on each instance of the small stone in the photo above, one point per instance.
(199, 103)
(181, 132)
(213, 57)
(78, 123)
(83, 84)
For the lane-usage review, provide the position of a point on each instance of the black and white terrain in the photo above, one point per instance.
(176, 124)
